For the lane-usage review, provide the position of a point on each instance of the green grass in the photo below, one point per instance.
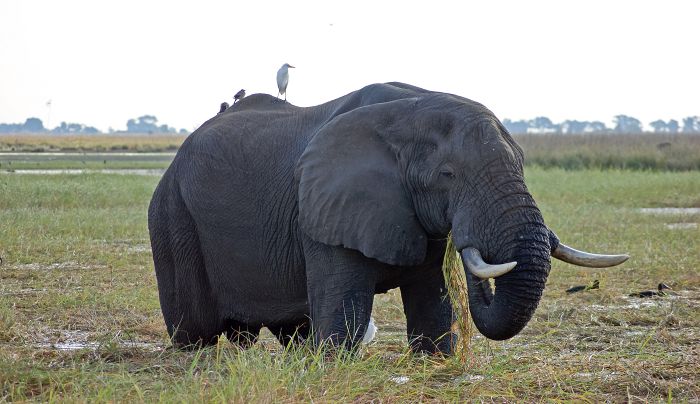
(10, 162)
(74, 164)
(77, 269)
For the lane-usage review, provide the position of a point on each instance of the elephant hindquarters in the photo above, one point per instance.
(190, 312)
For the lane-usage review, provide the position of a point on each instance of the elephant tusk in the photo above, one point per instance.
(586, 259)
(476, 265)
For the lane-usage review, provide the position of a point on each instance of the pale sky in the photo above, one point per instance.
(103, 62)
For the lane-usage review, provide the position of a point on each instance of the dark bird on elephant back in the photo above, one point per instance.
(652, 293)
(291, 218)
(223, 107)
(239, 96)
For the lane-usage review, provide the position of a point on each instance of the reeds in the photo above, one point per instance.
(672, 152)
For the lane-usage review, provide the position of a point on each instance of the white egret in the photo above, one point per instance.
(283, 79)
(370, 332)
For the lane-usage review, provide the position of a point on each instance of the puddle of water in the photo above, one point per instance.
(399, 379)
(125, 171)
(604, 375)
(140, 248)
(71, 346)
(669, 211)
(469, 378)
(78, 155)
(631, 305)
(681, 226)
(74, 346)
(58, 265)
(73, 340)
(22, 292)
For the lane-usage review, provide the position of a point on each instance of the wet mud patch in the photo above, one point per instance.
(136, 246)
(75, 340)
(68, 265)
(682, 226)
(77, 171)
(669, 211)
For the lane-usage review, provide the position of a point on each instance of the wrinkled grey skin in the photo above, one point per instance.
(293, 218)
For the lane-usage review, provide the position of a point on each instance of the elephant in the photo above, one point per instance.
(290, 218)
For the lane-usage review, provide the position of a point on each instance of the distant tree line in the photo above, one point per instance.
(35, 125)
(541, 124)
(149, 124)
(623, 124)
(142, 124)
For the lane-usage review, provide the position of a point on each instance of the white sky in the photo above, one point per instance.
(103, 62)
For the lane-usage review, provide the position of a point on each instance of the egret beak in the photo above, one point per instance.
(291, 66)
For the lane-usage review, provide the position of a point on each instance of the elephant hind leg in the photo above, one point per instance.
(189, 308)
(241, 334)
(295, 333)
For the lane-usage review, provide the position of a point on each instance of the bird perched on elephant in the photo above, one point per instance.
(283, 80)
(293, 219)
(239, 95)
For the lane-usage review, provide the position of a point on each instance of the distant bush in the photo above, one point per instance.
(31, 125)
(74, 128)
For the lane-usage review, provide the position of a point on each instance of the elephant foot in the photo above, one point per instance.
(241, 334)
(443, 345)
(295, 334)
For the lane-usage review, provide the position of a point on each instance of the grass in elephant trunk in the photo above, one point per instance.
(456, 282)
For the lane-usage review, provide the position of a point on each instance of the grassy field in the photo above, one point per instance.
(10, 162)
(80, 320)
(90, 143)
(677, 152)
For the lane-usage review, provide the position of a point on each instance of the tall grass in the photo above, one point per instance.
(675, 152)
(86, 143)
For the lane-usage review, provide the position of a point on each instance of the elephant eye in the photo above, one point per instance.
(447, 174)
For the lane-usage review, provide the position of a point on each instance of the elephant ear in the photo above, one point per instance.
(350, 188)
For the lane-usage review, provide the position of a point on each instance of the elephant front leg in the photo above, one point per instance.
(340, 285)
(429, 315)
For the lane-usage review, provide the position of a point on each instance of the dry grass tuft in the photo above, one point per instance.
(456, 282)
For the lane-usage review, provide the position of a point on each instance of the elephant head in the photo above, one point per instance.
(386, 178)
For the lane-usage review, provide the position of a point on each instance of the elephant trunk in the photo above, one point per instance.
(502, 313)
